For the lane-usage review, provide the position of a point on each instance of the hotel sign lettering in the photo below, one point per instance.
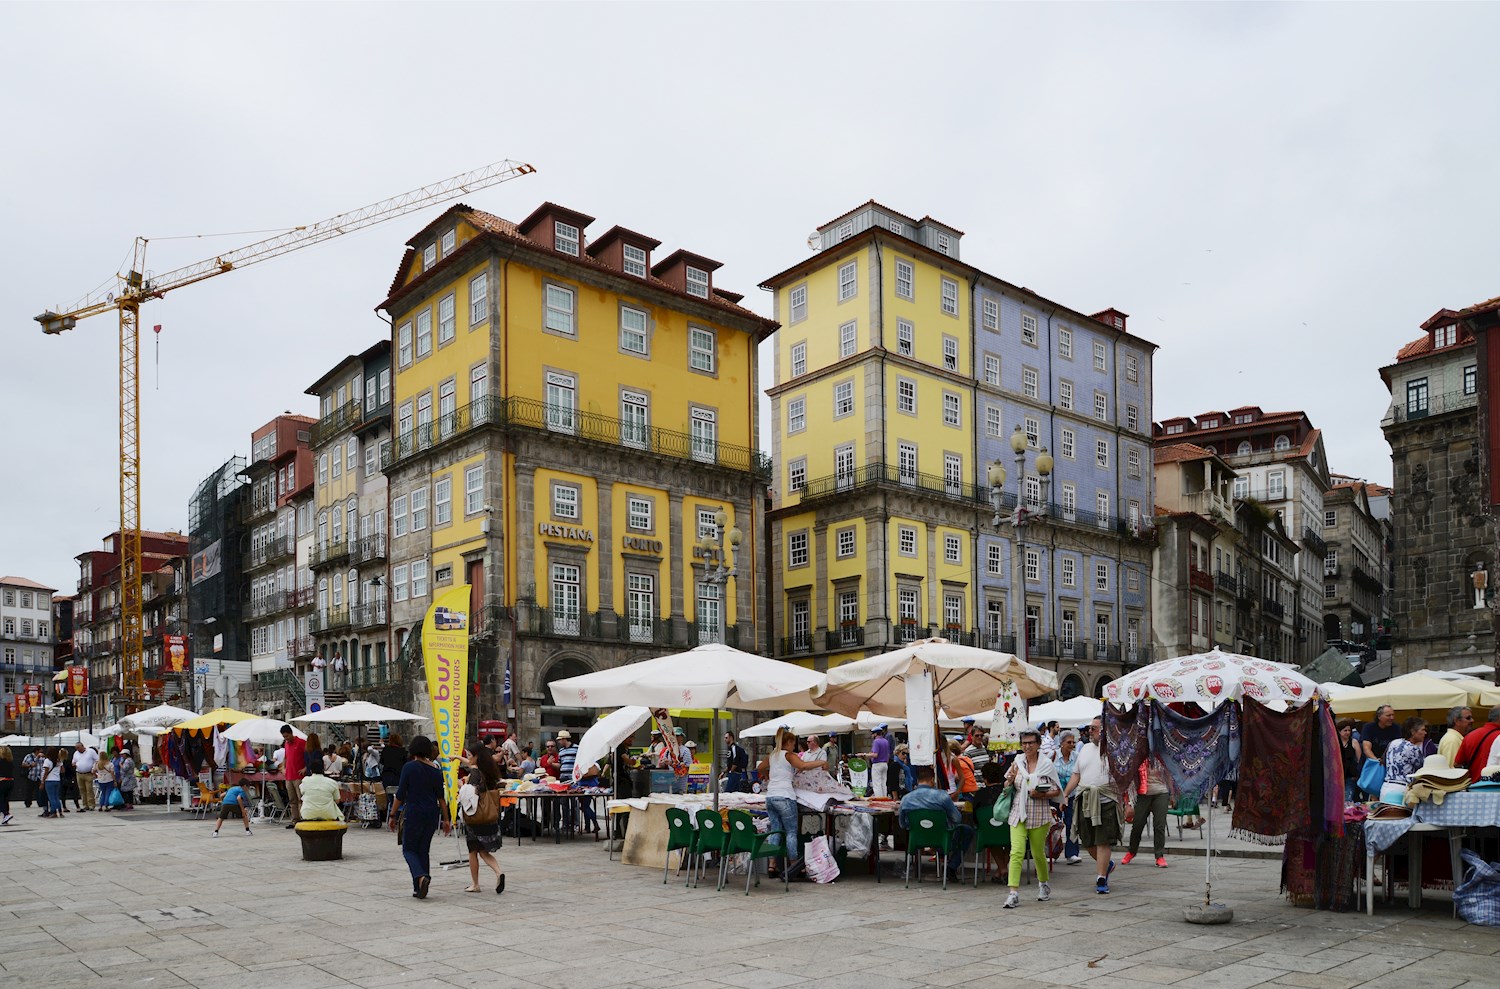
(565, 531)
(636, 543)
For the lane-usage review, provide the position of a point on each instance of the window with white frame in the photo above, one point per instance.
(1065, 395)
(561, 307)
(398, 582)
(906, 396)
(1101, 576)
(796, 474)
(843, 466)
(398, 519)
(1241, 487)
(848, 336)
(1065, 344)
(844, 540)
(1101, 508)
(950, 353)
(1032, 487)
(848, 605)
(1068, 627)
(566, 606)
(798, 303)
(992, 559)
(424, 333)
(1101, 629)
(566, 238)
(1029, 380)
(447, 318)
(418, 510)
(1100, 355)
(1330, 517)
(1033, 430)
(1132, 368)
(474, 489)
(640, 605)
(561, 393)
(707, 526)
(1133, 463)
(635, 419)
(905, 279)
(896, 227)
(429, 257)
(799, 359)
(447, 406)
(991, 314)
(1067, 440)
(953, 551)
(449, 239)
(801, 624)
(479, 299)
(1276, 485)
(1132, 418)
(843, 398)
(323, 469)
(372, 459)
(638, 513)
(419, 578)
(796, 415)
(1069, 567)
(1033, 566)
(906, 540)
(848, 281)
(906, 605)
(1101, 406)
(1028, 328)
(906, 462)
(1282, 444)
(697, 282)
(442, 501)
(944, 244)
(702, 349)
(953, 473)
(1244, 449)
(953, 610)
(992, 421)
(708, 611)
(635, 261)
(991, 369)
(338, 464)
(1101, 453)
(1133, 581)
(633, 331)
(796, 549)
(952, 411)
(906, 335)
(950, 297)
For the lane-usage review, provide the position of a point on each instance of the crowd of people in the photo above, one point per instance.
(1402, 748)
(56, 777)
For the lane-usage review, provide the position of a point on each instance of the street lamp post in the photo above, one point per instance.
(720, 565)
(1019, 517)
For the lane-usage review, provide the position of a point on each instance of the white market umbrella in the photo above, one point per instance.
(606, 734)
(1333, 691)
(161, 716)
(357, 712)
(1070, 713)
(714, 676)
(1209, 679)
(964, 678)
(805, 723)
(260, 731)
(1480, 671)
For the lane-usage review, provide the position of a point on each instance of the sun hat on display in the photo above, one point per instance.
(1438, 772)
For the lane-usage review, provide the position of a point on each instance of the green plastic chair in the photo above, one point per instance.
(679, 835)
(743, 839)
(926, 829)
(987, 836)
(1184, 807)
(712, 836)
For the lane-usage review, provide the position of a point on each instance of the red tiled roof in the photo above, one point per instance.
(1174, 453)
(23, 582)
(1421, 345)
(488, 223)
(1488, 305)
(618, 232)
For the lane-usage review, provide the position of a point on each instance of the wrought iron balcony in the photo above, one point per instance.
(1453, 401)
(301, 647)
(846, 636)
(889, 475)
(368, 615)
(345, 417)
(374, 675)
(301, 599)
(330, 553)
(649, 631)
(1366, 579)
(268, 604)
(369, 549)
(797, 643)
(334, 618)
(1273, 607)
(1314, 541)
(528, 414)
(1199, 579)
(273, 550)
(1225, 581)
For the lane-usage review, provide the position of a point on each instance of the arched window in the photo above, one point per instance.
(1283, 444)
(1099, 686)
(1072, 686)
(1212, 449)
(1244, 448)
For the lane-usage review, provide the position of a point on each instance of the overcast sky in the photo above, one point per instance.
(1277, 194)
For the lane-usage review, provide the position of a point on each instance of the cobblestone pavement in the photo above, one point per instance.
(150, 900)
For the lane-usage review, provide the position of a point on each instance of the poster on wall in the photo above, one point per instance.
(34, 694)
(175, 653)
(78, 681)
(207, 563)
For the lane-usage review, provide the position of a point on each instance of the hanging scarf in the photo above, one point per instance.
(1127, 743)
(1332, 797)
(1277, 757)
(1009, 719)
(1195, 752)
(221, 748)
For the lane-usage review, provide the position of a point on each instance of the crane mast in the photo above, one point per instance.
(134, 287)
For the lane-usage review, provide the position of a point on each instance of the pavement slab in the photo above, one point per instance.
(169, 907)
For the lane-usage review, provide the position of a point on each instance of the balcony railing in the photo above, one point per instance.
(1273, 607)
(301, 599)
(1224, 581)
(1366, 579)
(846, 636)
(881, 474)
(301, 647)
(797, 643)
(1406, 408)
(252, 509)
(374, 675)
(530, 414)
(328, 621)
(268, 604)
(334, 551)
(1314, 541)
(368, 615)
(369, 549)
(1200, 579)
(652, 631)
(273, 550)
(340, 419)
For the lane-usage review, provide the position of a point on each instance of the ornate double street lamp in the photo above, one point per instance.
(1030, 507)
(719, 566)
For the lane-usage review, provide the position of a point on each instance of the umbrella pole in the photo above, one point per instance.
(713, 759)
(1208, 881)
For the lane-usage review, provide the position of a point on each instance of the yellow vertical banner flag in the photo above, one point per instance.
(445, 655)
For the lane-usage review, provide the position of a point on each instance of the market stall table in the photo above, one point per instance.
(235, 777)
(1458, 812)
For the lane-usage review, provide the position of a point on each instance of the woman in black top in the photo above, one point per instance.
(392, 758)
(7, 777)
(419, 797)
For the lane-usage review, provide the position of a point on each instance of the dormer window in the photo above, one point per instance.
(450, 239)
(846, 230)
(429, 257)
(1174, 429)
(635, 261)
(565, 238)
(1283, 444)
(1243, 418)
(942, 243)
(1444, 336)
(697, 282)
(1208, 424)
(897, 227)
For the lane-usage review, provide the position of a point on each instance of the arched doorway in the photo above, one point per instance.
(1072, 686)
(554, 718)
(1099, 686)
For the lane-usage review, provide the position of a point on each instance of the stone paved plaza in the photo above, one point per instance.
(150, 900)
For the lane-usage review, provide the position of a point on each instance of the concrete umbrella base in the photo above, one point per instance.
(1208, 913)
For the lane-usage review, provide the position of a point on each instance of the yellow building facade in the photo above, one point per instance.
(568, 418)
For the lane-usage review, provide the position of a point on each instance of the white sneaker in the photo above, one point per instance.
(247, 832)
(1043, 892)
(1013, 900)
(215, 834)
(1074, 860)
(8, 818)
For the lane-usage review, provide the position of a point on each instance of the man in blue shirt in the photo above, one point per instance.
(567, 755)
(235, 802)
(928, 797)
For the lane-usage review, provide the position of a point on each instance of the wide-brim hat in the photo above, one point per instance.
(1437, 771)
(565, 734)
(1386, 812)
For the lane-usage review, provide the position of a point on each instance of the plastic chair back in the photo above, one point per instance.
(679, 829)
(713, 835)
(987, 835)
(927, 829)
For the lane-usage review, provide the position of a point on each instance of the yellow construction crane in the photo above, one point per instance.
(136, 286)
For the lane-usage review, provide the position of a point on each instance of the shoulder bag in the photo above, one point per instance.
(488, 811)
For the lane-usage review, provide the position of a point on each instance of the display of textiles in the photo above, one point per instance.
(1277, 757)
(1127, 742)
(1195, 752)
(1319, 870)
(1331, 777)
